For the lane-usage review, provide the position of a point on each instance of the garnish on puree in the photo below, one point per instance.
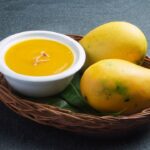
(39, 57)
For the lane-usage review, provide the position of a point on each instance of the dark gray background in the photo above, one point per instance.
(65, 16)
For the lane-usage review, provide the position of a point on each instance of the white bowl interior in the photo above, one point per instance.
(79, 54)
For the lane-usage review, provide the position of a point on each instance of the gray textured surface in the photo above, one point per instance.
(65, 16)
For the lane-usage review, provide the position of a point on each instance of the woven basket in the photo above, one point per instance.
(67, 120)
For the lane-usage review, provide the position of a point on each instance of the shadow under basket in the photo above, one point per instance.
(67, 120)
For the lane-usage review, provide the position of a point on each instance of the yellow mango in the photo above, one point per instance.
(119, 40)
(116, 85)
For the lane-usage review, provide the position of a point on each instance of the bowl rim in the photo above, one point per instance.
(75, 67)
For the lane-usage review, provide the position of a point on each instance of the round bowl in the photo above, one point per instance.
(41, 86)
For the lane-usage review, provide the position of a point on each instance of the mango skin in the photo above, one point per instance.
(120, 40)
(115, 85)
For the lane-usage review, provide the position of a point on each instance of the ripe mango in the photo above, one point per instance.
(120, 40)
(116, 85)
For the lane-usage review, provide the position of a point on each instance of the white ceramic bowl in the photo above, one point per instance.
(42, 85)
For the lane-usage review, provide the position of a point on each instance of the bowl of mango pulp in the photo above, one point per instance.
(40, 63)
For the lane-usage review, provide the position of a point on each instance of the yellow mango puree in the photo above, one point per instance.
(39, 57)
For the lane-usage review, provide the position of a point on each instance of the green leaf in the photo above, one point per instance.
(58, 102)
(72, 96)
(72, 93)
(61, 104)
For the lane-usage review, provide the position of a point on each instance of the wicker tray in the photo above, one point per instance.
(67, 120)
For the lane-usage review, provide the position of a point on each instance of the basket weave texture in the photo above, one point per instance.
(67, 120)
